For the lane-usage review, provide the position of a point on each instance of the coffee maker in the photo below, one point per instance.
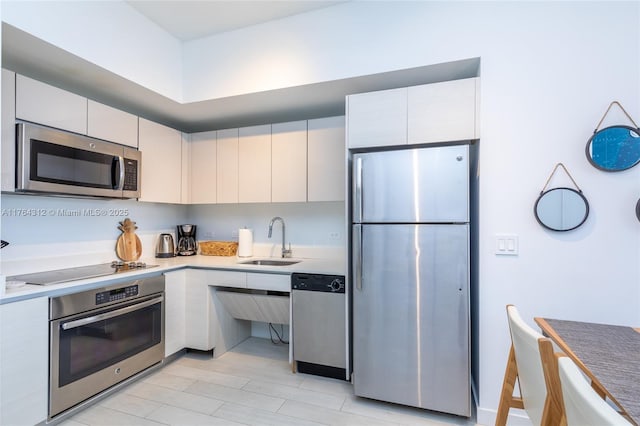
(187, 245)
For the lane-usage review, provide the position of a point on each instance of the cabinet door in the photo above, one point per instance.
(442, 111)
(44, 104)
(185, 189)
(203, 168)
(326, 159)
(8, 108)
(289, 162)
(227, 166)
(377, 118)
(111, 124)
(199, 329)
(254, 168)
(24, 362)
(174, 311)
(161, 149)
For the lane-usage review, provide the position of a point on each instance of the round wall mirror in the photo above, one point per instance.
(614, 148)
(561, 209)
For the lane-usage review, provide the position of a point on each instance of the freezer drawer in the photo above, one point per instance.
(422, 185)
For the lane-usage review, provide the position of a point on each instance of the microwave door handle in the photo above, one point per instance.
(117, 173)
(100, 317)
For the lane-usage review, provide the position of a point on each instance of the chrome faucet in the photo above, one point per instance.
(285, 252)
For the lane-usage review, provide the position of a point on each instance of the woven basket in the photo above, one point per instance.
(218, 248)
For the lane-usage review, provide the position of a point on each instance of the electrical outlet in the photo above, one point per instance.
(234, 233)
(334, 235)
(209, 234)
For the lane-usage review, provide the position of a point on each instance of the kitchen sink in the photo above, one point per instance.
(270, 262)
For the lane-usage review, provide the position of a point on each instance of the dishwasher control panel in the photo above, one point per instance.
(318, 282)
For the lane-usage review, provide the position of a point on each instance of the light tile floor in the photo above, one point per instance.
(250, 385)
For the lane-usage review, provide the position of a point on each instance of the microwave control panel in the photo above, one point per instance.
(130, 175)
(116, 294)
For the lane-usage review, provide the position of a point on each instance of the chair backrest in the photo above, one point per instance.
(530, 373)
(583, 406)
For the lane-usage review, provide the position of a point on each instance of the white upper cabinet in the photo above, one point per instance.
(326, 159)
(254, 168)
(44, 104)
(430, 113)
(443, 111)
(377, 118)
(227, 166)
(105, 122)
(289, 162)
(186, 169)
(8, 108)
(203, 167)
(161, 148)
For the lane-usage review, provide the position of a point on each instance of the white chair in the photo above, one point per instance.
(583, 406)
(532, 363)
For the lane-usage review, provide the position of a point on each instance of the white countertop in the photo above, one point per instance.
(329, 266)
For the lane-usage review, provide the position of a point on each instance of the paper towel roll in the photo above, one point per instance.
(245, 242)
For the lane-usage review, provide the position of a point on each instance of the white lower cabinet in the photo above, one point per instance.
(175, 311)
(217, 316)
(24, 361)
(199, 313)
(275, 282)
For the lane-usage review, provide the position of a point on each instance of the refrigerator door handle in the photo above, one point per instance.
(357, 191)
(357, 256)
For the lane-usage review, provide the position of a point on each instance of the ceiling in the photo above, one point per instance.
(188, 20)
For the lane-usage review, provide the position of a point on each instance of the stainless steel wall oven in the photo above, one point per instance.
(99, 338)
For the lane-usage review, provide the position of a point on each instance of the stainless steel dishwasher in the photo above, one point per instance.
(318, 321)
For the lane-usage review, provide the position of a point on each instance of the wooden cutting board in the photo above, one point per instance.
(128, 246)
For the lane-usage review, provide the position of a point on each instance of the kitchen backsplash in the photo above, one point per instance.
(64, 232)
(309, 224)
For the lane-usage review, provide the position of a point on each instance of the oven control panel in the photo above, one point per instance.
(116, 294)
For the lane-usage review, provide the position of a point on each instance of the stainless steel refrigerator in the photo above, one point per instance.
(410, 277)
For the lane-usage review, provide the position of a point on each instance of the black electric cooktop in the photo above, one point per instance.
(80, 273)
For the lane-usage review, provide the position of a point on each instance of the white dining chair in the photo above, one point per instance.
(583, 406)
(532, 363)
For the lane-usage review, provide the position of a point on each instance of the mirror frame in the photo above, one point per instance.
(542, 194)
(590, 142)
(638, 209)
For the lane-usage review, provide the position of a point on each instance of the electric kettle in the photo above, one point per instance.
(165, 246)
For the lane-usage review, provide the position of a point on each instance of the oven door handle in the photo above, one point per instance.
(95, 318)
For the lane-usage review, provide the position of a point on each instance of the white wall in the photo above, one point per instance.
(549, 71)
(110, 34)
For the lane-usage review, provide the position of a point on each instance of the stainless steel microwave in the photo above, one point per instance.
(57, 162)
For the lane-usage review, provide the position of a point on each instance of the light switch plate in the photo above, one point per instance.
(507, 244)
